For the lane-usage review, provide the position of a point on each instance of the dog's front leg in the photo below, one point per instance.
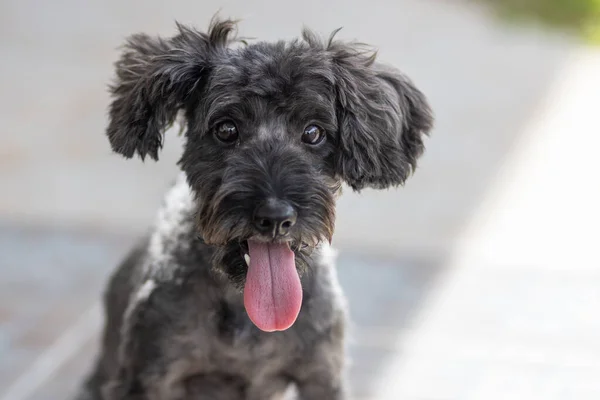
(320, 375)
(322, 381)
(321, 391)
(147, 363)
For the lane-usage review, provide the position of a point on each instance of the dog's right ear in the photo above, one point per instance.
(154, 78)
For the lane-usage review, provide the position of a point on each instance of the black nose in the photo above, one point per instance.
(274, 217)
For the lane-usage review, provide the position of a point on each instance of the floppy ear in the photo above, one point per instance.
(154, 78)
(382, 119)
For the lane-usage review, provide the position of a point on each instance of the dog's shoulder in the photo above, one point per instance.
(173, 232)
(165, 256)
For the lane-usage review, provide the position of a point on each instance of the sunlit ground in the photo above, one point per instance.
(516, 315)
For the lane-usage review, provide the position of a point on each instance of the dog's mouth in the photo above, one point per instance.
(273, 292)
(294, 245)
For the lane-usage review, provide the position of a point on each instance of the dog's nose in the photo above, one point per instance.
(274, 217)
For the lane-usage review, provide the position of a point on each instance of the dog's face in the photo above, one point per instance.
(272, 132)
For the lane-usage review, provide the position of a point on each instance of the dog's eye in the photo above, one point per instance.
(226, 132)
(313, 134)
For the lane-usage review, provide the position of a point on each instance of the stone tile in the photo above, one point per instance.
(49, 278)
(539, 307)
(65, 383)
(501, 333)
(366, 363)
(382, 292)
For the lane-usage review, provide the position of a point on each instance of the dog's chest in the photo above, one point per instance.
(237, 340)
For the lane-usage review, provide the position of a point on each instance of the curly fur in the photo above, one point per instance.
(176, 326)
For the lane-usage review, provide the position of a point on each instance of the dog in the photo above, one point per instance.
(233, 294)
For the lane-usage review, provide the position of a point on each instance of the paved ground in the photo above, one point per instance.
(482, 276)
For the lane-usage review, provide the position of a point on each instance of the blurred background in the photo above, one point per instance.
(480, 279)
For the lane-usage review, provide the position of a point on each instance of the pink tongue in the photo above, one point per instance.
(273, 294)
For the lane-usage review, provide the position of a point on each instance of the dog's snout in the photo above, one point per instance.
(274, 217)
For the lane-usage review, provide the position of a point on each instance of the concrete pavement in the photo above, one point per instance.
(483, 279)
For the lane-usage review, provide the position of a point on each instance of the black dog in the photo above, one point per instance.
(233, 294)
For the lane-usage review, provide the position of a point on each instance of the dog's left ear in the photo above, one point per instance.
(382, 118)
(155, 77)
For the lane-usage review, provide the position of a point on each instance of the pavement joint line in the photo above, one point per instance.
(54, 357)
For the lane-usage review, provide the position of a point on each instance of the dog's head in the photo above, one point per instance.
(272, 131)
